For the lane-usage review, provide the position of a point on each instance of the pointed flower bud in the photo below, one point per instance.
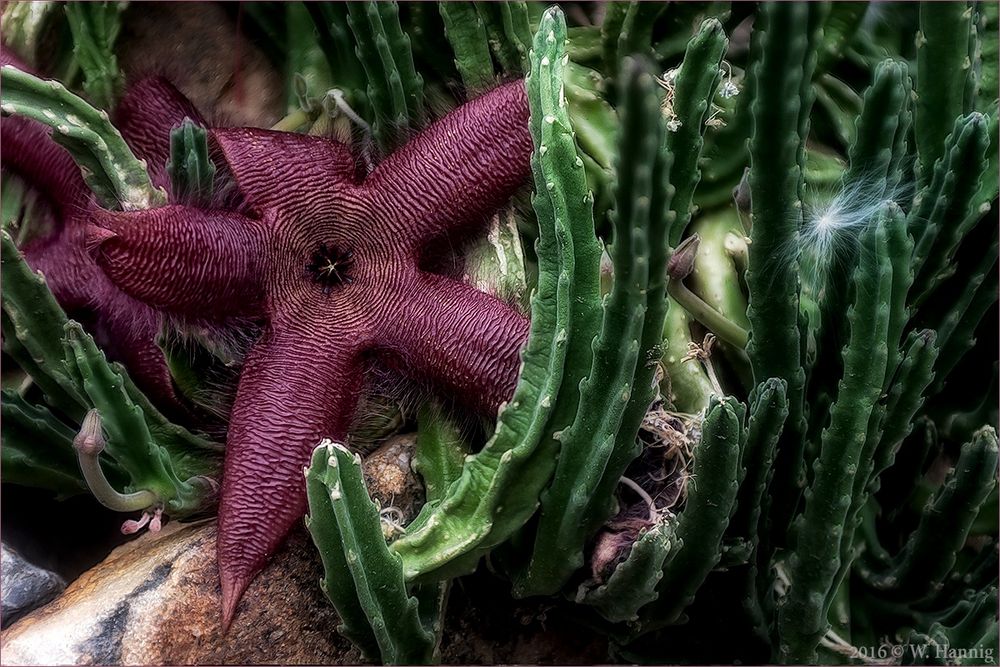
(681, 262)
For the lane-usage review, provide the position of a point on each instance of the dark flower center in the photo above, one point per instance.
(330, 266)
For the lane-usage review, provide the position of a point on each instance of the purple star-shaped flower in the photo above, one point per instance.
(334, 263)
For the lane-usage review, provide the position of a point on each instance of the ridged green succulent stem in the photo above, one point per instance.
(842, 22)
(37, 447)
(930, 552)
(900, 247)
(768, 411)
(499, 487)
(813, 28)
(580, 496)
(33, 331)
(772, 277)
(636, 36)
(596, 127)
(946, 209)
(130, 442)
(514, 14)
(611, 28)
(440, 451)
(820, 529)
(467, 35)
(875, 155)
(72, 372)
(694, 88)
(943, 68)
(956, 333)
(306, 66)
(711, 497)
(110, 169)
(363, 578)
(508, 32)
(395, 89)
(594, 121)
(904, 400)
(633, 583)
(95, 27)
(338, 44)
(191, 170)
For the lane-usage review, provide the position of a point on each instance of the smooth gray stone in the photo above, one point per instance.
(23, 586)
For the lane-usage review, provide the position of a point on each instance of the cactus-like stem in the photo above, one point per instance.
(898, 247)
(711, 498)
(596, 127)
(33, 323)
(840, 26)
(131, 443)
(509, 35)
(109, 167)
(768, 411)
(499, 487)
(946, 209)
(943, 70)
(879, 148)
(364, 579)
(337, 44)
(635, 36)
(930, 552)
(633, 583)
(611, 29)
(599, 444)
(191, 170)
(516, 27)
(89, 443)
(813, 565)
(905, 397)
(693, 90)
(875, 161)
(772, 277)
(970, 623)
(95, 27)
(956, 333)
(440, 451)
(467, 35)
(305, 66)
(395, 89)
(38, 447)
(151, 452)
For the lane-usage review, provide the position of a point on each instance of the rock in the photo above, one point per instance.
(155, 600)
(23, 586)
(392, 483)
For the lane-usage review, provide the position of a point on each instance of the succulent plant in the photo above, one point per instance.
(749, 390)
